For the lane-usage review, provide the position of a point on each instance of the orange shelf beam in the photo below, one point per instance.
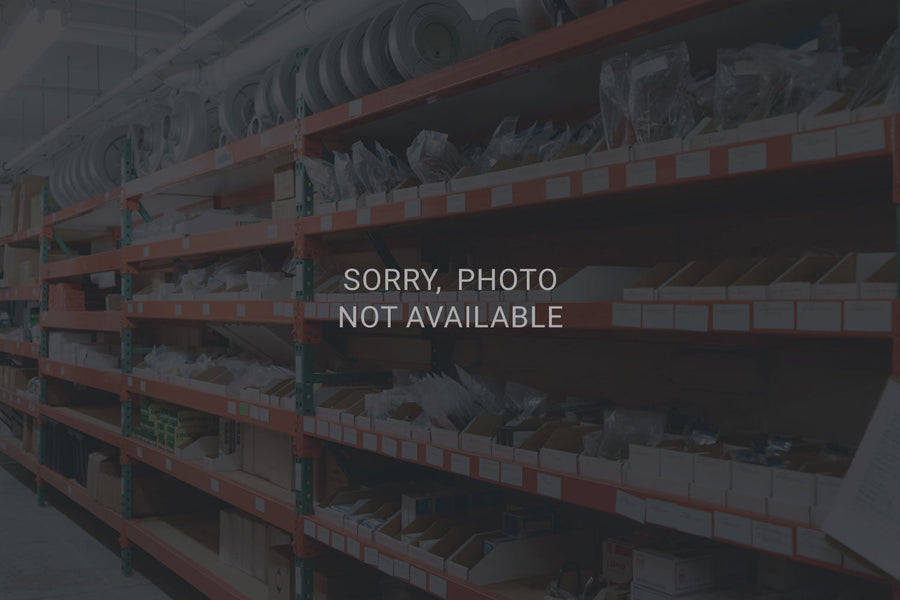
(268, 508)
(25, 349)
(82, 208)
(89, 320)
(71, 418)
(247, 311)
(19, 402)
(19, 236)
(21, 294)
(276, 419)
(82, 265)
(256, 235)
(80, 495)
(109, 381)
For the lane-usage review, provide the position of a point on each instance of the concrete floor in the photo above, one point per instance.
(62, 552)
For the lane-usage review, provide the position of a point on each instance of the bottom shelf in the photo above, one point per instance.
(76, 492)
(189, 545)
(12, 447)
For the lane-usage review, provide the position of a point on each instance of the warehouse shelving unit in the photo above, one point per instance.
(241, 172)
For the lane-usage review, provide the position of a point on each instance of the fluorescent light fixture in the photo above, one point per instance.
(33, 35)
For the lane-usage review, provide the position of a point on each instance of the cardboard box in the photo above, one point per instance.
(284, 209)
(748, 502)
(681, 285)
(645, 288)
(796, 283)
(560, 451)
(281, 573)
(283, 179)
(479, 433)
(754, 284)
(529, 452)
(881, 284)
(268, 454)
(674, 570)
(714, 285)
(604, 469)
(592, 284)
(618, 557)
(644, 460)
(845, 279)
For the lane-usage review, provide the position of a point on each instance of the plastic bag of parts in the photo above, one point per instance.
(881, 78)
(372, 172)
(538, 136)
(504, 144)
(824, 36)
(614, 89)
(485, 393)
(588, 133)
(622, 427)
(445, 403)
(399, 174)
(347, 178)
(553, 147)
(703, 91)
(659, 101)
(432, 157)
(323, 179)
(555, 592)
(522, 402)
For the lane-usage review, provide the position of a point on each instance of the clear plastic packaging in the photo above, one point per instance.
(432, 157)
(372, 172)
(553, 147)
(622, 427)
(398, 171)
(505, 143)
(614, 89)
(522, 402)
(589, 133)
(659, 99)
(347, 178)
(881, 77)
(540, 135)
(322, 176)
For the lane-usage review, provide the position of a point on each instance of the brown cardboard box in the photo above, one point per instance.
(281, 573)
(114, 302)
(20, 266)
(283, 178)
(284, 209)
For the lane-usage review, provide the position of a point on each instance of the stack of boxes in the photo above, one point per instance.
(245, 542)
(66, 297)
(171, 428)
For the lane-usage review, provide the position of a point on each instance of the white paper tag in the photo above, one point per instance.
(692, 164)
(168, 464)
(693, 521)
(818, 145)
(325, 223)
(692, 317)
(389, 446)
(734, 528)
(335, 432)
(337, 541)
(418, 578)
(819, 316)
(370, 442)
(385, 564)
(456, 203)
(364, 216)
(658, 316)
(409, 450)
(224, 158)
(640, 173)
(259, 504)
(501, 196)
(353, 548)
(401, 569)
(661, 512)
(437, 586)
(460, 464)
(354, 107)
(744, 159)
(349, 436)
(204, 308)
(773, 315)
(489, 469)
(241, 310)
(812, 544)
(309, 528)
(867, 316)
(412, 209)
(323, 535)
(434, 456)
(630, 506)
(731, 317)
(626, 315)
(214, 485)
(559, 187)
(595, 180)
(511, 474)
(549, 485)
(773, 538)
(862, 137)
(232, 408)
(370, 556)
(140, 452)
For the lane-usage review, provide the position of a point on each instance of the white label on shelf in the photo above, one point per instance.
(177, 310)
(401, 569)
(272, 231)
(186, 242)
(744, 159)
(418, 578)
(168, 464)
(214, 484)
(62, 370)
(140, 452)
(630, 506)
(812, 544)
(224, 158)
(146, 251)
(364, 216)
(322, 428)
(692, 164)
(389, 446)
(350, 436)
(265, 139)
(241, 310)
(819, 316)
(731, 317)
(254, 412)
(733, 528)
(309, 528)
(337, 541)
(140, 308)
(626, 315)
(353, 548)
(818, 145)
(691, 317)
(862, 137)
(595, 180)
(773, 315)
(325, 223)
(459, 464)
(511, 474)
(489, 469)
(263, 414)
(335, 432)
(412, 209)
(658, 316)
(434, 456)
(867, 316)
(501, 196)
(370, 442)
(693, 521)
(354, 108)
(309, 424)
(204, 308)
(323, 535)
(69, 488)
(456, 203)
(437, 586)
(232, 408)
(549, 485)
(661, 512)
(773, 538)
(640, 173)
(370, 556)
(409, 450)
(558, 187)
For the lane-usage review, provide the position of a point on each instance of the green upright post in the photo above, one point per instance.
(44, 346)
(128, 173)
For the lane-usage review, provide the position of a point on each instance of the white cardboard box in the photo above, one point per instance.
(796, 283)
(603, 469)
(747, 502)
(844, 280)
(751, 479)
(754, 284)
(676, 571)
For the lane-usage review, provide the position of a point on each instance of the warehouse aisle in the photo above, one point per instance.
(46, 555)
